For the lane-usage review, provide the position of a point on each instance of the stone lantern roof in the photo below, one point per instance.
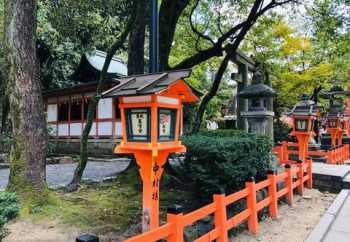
(258, 89)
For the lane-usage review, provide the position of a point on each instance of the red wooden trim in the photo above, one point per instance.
(113, 116)
(57, 118)
(82, 113)
(96, 120)
(69, 113)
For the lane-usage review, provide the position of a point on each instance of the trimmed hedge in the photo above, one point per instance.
(222, 159)
(9, 208)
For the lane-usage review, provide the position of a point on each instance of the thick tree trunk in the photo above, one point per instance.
(136, 48)
(28, 151)
(169, 14)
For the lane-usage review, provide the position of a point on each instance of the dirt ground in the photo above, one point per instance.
(294, 222)
(27, 231)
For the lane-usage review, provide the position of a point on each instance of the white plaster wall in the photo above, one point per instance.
(105, 108)
(75, 129)
(63, 130)
(51, 113)
(93, 129)
(118, 128)
(105, 128)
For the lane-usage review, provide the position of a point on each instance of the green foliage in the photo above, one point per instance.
(330, 22)
(5, 143)
(281, 131)
(288, 57)
(92, 25)
(222, 159)
(9, 208)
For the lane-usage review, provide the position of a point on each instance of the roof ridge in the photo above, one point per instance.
(103, 54)
(165, 74)
(119, 85)
(161, 72)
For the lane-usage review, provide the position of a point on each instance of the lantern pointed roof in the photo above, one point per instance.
(305, 106)
(156, 83)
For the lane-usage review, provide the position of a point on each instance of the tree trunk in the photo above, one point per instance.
(136, 48)
(4, 113)
(212, 92)
(169, 14)
(28, 151)
(78, 173)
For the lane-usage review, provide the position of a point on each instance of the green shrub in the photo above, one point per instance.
(281, 132)
(5, 143)
(222, 159)
(9, 208)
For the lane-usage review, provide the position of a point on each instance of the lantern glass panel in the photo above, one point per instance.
(301, 125)
(166, 124)
(138, 124)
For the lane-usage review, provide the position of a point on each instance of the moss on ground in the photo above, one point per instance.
(102, 208)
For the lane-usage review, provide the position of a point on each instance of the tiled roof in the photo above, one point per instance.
(147, 84)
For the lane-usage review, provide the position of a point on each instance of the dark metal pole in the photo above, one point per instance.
(153, 41)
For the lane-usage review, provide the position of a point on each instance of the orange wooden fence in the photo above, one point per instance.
(293, 177)
(334, 156)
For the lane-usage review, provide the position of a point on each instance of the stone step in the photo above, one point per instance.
(329, 177)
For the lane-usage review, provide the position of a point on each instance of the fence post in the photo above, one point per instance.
(272, 190)
(289, 184)
(175, 217)
(220, 215)
(285, 157)
(300, 176)
(309, 172)
(251, 206)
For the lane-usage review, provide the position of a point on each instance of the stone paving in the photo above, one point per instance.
(332, 178)
(61, 174)
(334, 225)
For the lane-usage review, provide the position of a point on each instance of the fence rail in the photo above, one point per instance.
(293, 177)
(336, 155)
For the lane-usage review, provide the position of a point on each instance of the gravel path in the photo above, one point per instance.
(60, 175)
(294, 223)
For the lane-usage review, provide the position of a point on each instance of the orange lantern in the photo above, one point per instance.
(304, 114)
(335, 124)
(151, 117)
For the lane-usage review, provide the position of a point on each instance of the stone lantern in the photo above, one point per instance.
(257, 95)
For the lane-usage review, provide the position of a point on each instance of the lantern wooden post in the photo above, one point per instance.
(335, 129)
(303, 144)
(151, 107)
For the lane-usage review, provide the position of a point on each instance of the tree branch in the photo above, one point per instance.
(255, 12)
(194, 29)
(218, 48)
